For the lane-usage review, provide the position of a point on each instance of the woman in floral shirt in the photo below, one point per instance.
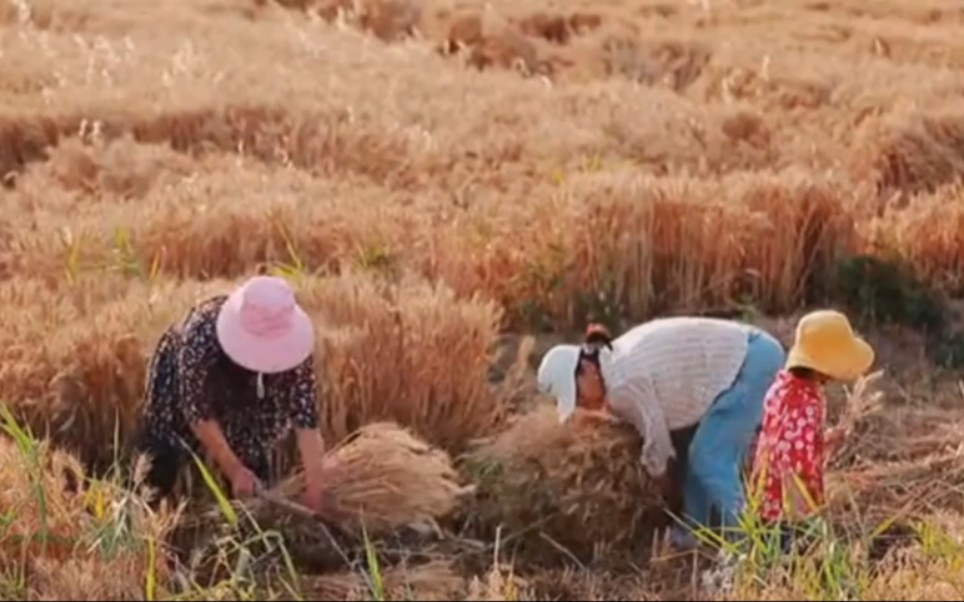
(792, 449)
(231, 380)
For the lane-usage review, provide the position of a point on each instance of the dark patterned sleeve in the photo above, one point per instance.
(198, 355)
(304, 396)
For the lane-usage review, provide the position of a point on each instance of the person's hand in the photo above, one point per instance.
(664, 482)
(243, 482)
(313, 496)
(659, 473)
(835, 437)
(314, 463)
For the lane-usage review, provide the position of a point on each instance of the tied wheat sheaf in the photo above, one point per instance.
(383, 478)
(569, 487)
(385, 491)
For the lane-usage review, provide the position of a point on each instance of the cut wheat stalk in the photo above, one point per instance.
(861, 403)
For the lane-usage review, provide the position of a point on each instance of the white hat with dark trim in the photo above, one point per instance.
(557, 377)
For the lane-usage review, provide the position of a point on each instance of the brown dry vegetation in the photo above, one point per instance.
(437, 177)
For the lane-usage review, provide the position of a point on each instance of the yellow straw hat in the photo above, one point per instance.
(825, 342)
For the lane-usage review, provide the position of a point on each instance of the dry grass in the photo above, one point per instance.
(436, 177)
(433, 581)
(65, 534)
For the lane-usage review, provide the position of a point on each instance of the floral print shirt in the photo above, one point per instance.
(190, 379)
(790, 448)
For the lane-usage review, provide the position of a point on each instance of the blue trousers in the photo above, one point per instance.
(716, 454)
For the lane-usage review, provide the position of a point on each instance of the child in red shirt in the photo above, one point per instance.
(792, 449)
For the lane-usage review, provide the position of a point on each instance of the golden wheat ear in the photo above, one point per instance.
(863, 400)
(142, 467)
(385, 478)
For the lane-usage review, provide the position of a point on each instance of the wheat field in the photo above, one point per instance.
(453, 185)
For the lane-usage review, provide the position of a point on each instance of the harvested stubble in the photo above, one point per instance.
(90, 578)
(906, 490)
(885, 498)
(577, 486)
(431, 581)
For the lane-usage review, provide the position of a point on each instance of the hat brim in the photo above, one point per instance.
(557, 378)
(566, 399)
(846, 363)
(279, 354)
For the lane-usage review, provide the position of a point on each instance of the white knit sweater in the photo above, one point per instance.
(665, 374)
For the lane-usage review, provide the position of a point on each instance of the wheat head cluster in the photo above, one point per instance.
(450, 186)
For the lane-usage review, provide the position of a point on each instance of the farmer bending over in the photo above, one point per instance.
(793, 446)
(230, 380)
(667, 375)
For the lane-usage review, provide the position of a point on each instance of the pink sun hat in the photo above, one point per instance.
(262, 328)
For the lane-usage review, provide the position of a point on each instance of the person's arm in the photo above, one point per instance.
(636, 401)
(209, 433)
(803, 484)
(304, 416)
(196, 358)
(834, 439)
(311, 448)
(658, 446)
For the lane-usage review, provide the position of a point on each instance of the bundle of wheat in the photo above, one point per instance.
(576, 487)
(385, 491)
(382, 479)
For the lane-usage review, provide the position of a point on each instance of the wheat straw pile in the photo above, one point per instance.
(577, 486)
(383, 478)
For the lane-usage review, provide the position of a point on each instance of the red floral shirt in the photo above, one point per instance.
(790, 445)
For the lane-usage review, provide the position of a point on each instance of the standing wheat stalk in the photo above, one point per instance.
(862, 402)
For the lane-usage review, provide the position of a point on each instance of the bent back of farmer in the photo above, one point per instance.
(229, 381)
(669, 374)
